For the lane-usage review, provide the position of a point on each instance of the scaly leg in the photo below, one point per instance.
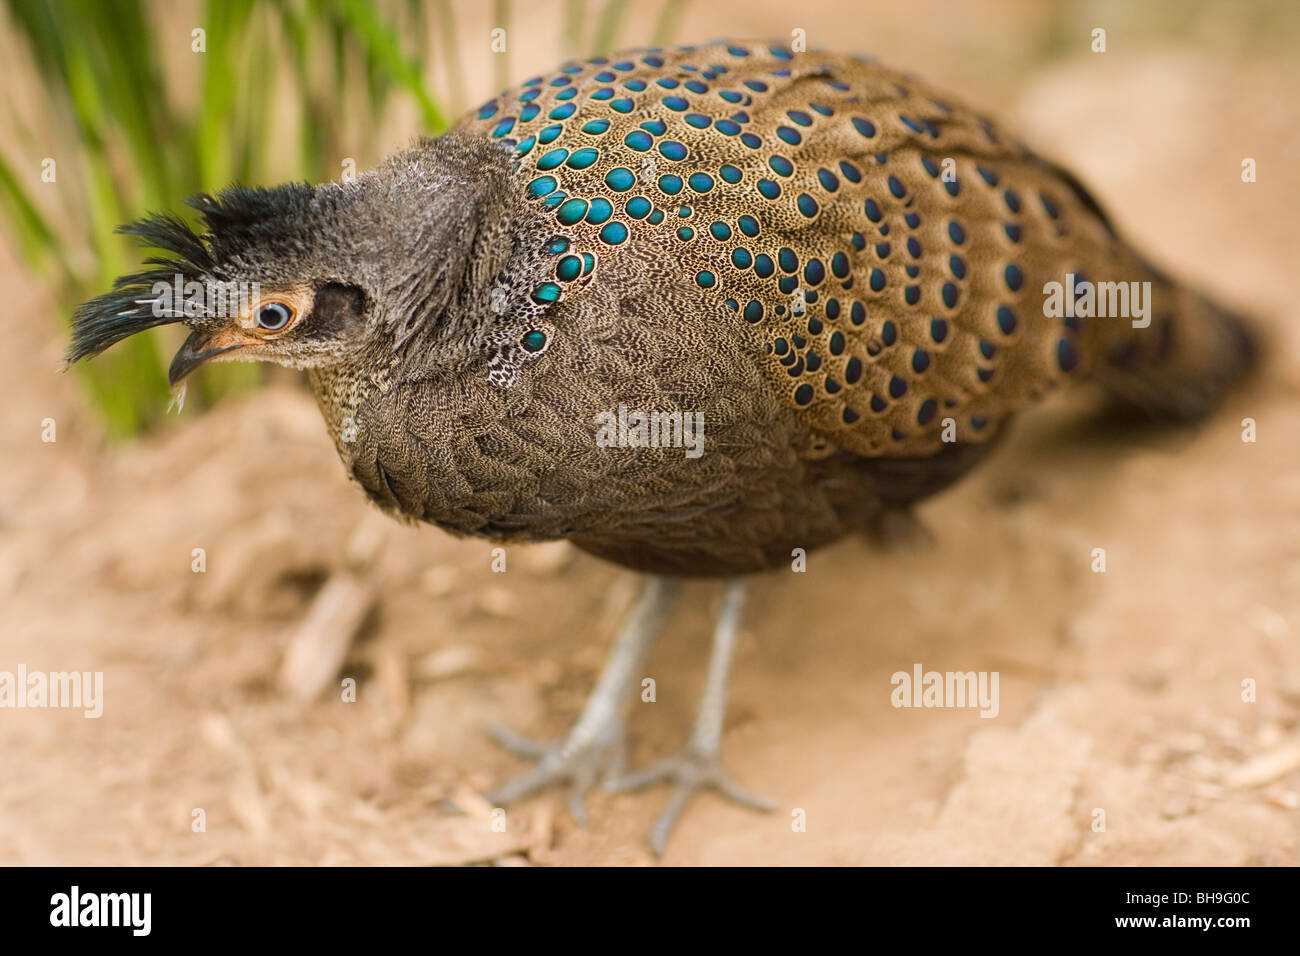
(698, 765)
(596, 745)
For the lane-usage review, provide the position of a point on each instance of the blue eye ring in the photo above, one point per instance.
(273, 316)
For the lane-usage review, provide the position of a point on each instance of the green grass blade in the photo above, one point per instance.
(611, 18)
(666, 26)
(36, 239)
(380, 44)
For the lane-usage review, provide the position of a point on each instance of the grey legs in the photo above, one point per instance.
(595, 747)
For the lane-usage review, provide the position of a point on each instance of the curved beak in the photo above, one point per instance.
(194, 353)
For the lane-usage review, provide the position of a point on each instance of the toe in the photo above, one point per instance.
(578, 803)
(525, 785)
(672, 811)
(746, 798)
(641, 779)
(524, 747)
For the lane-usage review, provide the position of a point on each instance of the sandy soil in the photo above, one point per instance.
(1120, 692)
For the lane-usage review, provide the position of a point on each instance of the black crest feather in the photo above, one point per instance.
(129, 307)
(235, 218)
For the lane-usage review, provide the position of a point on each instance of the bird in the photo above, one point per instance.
(695, 310)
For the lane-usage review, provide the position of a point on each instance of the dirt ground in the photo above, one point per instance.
(1120, 692)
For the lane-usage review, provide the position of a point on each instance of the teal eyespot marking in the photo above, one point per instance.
(613, 233)
(572, 211)
(620, 179)
(552, 159)
(542, 186)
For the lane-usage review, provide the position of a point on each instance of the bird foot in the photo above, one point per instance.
(692, 769)
(580, 759)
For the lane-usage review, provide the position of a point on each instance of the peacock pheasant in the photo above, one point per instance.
(826, 274)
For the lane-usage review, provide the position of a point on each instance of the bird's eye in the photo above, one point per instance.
(273, 316)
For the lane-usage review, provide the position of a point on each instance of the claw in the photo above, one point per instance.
(595, 747)
(527, 748)
(691, 771)
(580, 759)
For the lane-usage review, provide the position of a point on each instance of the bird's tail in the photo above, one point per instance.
(1182, 364)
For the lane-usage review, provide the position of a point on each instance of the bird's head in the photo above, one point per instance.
(309, 276)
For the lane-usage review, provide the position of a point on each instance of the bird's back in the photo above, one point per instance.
(891, 245)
